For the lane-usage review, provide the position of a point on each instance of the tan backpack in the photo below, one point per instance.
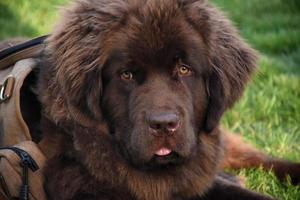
(21, 160)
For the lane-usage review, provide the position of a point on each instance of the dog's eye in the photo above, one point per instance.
(126, 75)
(184, 70)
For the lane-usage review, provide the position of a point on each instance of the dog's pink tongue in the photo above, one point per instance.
(163, 152)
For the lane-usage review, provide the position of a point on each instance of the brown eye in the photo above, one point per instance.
(184, 71)
(126, 75)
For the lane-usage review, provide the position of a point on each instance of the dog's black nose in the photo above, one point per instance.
(163, 123)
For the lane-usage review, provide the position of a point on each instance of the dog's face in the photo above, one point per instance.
(159, 73)
(154, 95)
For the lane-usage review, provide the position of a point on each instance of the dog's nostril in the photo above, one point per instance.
(172, 126)
(164, 122)
(155, 126)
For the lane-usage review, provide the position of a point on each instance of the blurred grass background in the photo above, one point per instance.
(268, 115)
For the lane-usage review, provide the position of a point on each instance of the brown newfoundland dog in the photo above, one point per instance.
(132, 96)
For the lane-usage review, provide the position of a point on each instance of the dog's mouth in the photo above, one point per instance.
(165, 158)
(162, 152)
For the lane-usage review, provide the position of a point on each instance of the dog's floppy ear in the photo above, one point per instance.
(232, 61)
(76, 54)
(75, 82)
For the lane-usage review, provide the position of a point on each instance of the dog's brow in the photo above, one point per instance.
(116, 58)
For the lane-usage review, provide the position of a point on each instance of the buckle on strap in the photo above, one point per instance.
(6, 89)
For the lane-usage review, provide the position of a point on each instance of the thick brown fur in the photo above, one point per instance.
(95, 125)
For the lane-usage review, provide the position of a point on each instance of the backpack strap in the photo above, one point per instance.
(28, 49)
(21, 172)
(12, 125)
(16, 63)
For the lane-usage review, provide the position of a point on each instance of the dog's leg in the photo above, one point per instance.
(225, 190)
(239, 154)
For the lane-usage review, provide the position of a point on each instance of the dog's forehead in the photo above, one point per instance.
(158, 32)
(148, 32)
(154, 31)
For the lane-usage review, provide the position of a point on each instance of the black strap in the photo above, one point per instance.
(26, 162)
(11, 50)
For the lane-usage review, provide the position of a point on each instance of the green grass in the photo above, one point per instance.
(269, 113)
(27, 17)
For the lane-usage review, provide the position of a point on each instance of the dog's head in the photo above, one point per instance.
(160, 74)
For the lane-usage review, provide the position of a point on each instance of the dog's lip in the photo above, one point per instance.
(164, 151)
